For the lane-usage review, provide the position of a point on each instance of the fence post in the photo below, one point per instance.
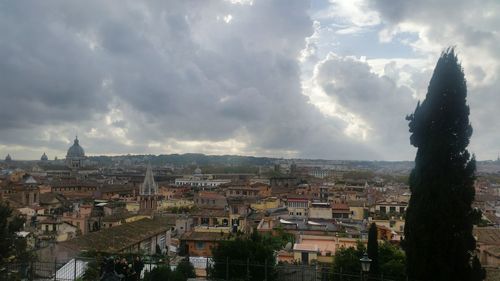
(248, 269)
(74, 271)
(31, 275)
(316, 268)
(227, 268)
(265, 269)
(302, 273)
(55, 269)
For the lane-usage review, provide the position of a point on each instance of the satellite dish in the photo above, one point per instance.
(288, 246)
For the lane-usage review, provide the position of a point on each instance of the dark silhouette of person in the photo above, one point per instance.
(138, 265)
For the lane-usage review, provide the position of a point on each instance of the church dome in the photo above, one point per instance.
(197, 172)
(75, 150)
(44, 157)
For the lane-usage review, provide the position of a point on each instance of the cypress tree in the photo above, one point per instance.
(438, 234)
(372, 249)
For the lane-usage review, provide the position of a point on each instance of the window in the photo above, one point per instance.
(392, 209)
(162, 241)
(205, 221)
(382, 209)
(200, 245)
(146, 246)
(401, 209)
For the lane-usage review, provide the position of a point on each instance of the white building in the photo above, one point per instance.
(200, 180)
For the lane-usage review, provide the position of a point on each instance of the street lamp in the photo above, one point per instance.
(365, 265)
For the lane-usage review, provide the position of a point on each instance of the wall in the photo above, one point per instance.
(320, 213)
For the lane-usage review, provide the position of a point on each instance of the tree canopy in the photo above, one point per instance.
(13, 247)
(372, 249)
(245, 258)
(438, 232)
(391, 262)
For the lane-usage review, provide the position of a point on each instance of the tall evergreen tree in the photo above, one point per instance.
(372, 249)
(438, 234)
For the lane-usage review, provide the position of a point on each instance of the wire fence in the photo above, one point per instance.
(248, 271)
(90, 269)
(75, 270)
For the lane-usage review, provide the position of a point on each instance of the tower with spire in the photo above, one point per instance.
(148, 192)
(149, 186)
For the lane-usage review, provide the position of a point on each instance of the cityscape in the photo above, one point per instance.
(275, 140)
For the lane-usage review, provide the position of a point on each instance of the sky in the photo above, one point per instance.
(294, 79)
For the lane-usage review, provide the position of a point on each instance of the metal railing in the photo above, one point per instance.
(250, 271)
(75, 270)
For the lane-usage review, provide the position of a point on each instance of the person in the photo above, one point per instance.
(122, 269)
(137, 267)
(109, 273)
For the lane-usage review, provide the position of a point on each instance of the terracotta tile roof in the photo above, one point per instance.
(210, 195)
(118, 238)
(340, 206)
(487, 235)
(204, 236)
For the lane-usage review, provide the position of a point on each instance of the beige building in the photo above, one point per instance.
(395, 224)
(320, 211)
(297, 207)
(320, 248)
(57, 230)
(305, 253)
(266, 204)
(357, 209)
(175, 203)
(488, 245)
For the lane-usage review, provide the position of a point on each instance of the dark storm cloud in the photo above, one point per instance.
(472, 27)
(173, 76)
(376, 100)
(46, 75)
(125, 74)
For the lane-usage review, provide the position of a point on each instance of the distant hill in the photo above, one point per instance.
(188, 159)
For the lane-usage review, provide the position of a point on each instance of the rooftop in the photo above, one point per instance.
(118, 238)
(487, 235)
(205, 236)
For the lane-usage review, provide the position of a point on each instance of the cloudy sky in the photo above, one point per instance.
(321, 79)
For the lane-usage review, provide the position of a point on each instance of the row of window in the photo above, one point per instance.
(392, 209)
(298, 204)
(242, 192)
